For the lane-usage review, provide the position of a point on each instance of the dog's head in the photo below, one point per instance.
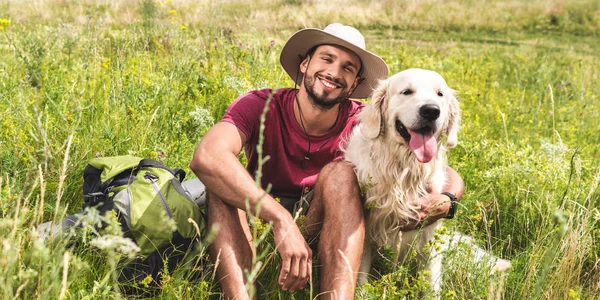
(414, 107)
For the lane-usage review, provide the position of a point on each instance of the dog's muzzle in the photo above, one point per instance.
(429, 112)
(420, 136)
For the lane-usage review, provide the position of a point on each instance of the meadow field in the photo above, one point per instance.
(80, 79)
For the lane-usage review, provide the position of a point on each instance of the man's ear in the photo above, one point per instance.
(357, 81)
(304, 64)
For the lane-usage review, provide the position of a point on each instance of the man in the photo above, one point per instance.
(302, 133)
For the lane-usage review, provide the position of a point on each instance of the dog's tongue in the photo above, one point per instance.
(423, 145)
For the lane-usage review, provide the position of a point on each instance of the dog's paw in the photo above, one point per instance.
(502, 265)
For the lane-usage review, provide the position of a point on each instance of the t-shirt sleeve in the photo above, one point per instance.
(245, 113)
(350, 124)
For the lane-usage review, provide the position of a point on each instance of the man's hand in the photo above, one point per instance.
(435, 206)
(296, 256)
(431, 208)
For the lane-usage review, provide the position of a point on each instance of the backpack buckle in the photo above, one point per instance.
(92, 199)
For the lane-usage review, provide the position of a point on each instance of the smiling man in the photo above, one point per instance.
(303, 131)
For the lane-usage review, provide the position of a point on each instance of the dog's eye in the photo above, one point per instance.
(407, 92)
(440, 94)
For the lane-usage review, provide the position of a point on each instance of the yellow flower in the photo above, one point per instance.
(574, 295)
(4, 23)
(105, 63)
(146, 281)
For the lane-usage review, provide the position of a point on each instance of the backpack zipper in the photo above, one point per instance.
(152, 179)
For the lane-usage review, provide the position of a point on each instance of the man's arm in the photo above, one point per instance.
(455, 184)
(435, 206)
(216, 164)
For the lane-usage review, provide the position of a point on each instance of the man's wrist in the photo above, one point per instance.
(272, 211)
(453, 205)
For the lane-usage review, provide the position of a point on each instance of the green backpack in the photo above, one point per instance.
(144, 193)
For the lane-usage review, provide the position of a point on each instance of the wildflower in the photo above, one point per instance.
(4, 23)
(117, 244)
(202, 117)
(105, 63)
(574, 295)
(450, 295)
(146, 281)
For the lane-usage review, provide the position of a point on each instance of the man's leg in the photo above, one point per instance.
(338, 208)
(231, 247)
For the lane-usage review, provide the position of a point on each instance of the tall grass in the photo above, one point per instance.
(86, 78)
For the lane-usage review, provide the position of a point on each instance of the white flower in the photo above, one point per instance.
(117, 244)
(202, 117)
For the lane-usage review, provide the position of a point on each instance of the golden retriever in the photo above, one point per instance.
(399, 154)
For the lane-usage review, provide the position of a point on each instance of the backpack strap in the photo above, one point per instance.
(91, 179)
(177, 172)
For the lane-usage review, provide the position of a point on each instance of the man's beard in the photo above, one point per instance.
(321, 101)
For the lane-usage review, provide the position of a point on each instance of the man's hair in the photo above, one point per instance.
(312, 50)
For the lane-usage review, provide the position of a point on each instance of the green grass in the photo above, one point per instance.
(148, 78)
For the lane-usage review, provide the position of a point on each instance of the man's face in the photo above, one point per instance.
(330, 75)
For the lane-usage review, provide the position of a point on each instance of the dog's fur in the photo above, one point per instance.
(399, 154)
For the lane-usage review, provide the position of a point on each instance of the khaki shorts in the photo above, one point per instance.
(293, 204)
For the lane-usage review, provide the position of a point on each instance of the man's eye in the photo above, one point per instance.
(407, 92)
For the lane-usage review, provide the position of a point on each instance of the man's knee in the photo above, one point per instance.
(337, 185)
(338, 174)
(216, 208)
(229, 222)
(226, 217)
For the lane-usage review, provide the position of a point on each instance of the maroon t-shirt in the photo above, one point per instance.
(285, 141)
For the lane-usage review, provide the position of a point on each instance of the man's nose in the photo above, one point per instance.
(335, 71)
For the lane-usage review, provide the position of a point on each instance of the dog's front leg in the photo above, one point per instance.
(365, 263)
(430, 258)
(434, 267)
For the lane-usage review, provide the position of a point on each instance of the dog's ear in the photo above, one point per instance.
(453, 120)
(373, 116)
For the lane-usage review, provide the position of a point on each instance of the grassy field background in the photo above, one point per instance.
(85, 78)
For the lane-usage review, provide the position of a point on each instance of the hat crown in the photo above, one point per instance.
(347, 33)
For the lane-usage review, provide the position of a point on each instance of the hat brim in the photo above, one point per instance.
(292, 54)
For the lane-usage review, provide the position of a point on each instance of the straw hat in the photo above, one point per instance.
(296, 48)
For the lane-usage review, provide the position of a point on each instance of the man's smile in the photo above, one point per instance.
(329, 83)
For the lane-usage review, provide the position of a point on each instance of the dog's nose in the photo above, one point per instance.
(429, 111)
